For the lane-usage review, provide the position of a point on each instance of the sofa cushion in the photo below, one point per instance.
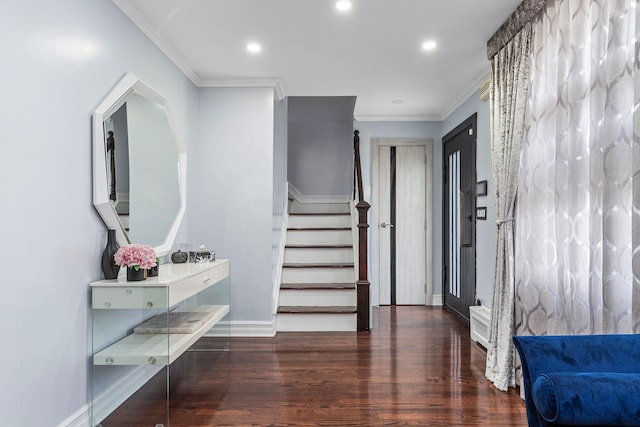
(588, 398)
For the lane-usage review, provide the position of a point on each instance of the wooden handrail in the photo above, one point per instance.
(362, 284)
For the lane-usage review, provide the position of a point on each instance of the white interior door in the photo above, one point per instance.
(384, 232)
(410, 225)
(402, 215)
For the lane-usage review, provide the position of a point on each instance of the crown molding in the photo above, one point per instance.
(391, 118)
(144, 26)
(138, 19)
(275, 83)
(475, 86)
(248, 82)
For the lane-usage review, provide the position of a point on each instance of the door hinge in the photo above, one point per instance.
(471, 132)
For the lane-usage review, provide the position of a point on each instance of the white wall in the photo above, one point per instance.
(61, 59)
(485, 230)
(230, 206)
(426, 130)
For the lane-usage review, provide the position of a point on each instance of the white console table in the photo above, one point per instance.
(175, 309)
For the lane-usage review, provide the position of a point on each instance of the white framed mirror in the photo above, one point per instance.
(139, 166)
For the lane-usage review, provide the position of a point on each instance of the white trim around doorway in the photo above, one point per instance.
(376, 143)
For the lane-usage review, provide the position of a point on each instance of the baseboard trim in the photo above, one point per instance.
(239, 328)
(109, 400)
(437, 300)
(79, 419)
(293, 191)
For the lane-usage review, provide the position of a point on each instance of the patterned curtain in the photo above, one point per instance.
(576, 218)
(510, 78)
(636, 181)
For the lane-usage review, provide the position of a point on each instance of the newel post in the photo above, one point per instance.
(363, 285)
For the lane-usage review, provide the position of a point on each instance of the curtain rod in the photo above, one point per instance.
(524, 13)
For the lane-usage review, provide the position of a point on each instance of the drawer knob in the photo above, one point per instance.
(152, 360)
(206, 279)
(107, 304)
(128, 291)
(109, 360)
(149, 304)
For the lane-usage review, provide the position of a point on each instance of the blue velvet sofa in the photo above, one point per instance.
(585, 380)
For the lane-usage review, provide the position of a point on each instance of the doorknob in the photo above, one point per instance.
(385, 225)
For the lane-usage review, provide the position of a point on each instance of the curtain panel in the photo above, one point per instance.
(577, 226)
(636, 178)
(510, 78)
(524, 13)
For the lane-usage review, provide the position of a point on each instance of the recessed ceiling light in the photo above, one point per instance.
(429, 45)
(397, 101)
(343, 5)
(254, 47)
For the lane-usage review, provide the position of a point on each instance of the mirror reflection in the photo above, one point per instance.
(139, 166)
(143, 170)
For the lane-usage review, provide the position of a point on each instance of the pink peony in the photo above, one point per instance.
(135, 256)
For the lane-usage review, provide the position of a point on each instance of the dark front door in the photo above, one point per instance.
(459, 206)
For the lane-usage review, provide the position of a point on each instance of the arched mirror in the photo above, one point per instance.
(139, 166)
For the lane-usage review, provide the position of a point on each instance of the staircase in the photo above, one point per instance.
(317, 290)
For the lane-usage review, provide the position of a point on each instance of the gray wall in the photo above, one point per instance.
(320, 147)
(485, 230)
(63, 58)
(424, 130)
(230, 202)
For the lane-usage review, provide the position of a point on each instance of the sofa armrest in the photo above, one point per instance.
(588, 398)
(577, 353)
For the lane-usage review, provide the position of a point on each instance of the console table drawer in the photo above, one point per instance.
(191, 286)
(174, 284)
(130, 297)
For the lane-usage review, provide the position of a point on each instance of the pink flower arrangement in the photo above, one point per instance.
(135, 256)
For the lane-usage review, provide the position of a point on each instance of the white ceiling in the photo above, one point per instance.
(310, 49)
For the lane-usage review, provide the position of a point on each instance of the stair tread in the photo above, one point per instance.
(319, 246)
(318, 228)
(318, 265)
(319, 213)
(317, 309)
(317, 286)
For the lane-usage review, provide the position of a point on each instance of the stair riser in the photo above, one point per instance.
(315, 322)
(317, 297)
(306, 221)
(320, 237)
(319, 207)
(315, 256)
(318, 275)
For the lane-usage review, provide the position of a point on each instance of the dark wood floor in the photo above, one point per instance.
(418, 367)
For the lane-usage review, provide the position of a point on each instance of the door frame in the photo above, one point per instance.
(470, 122)
(376, 143)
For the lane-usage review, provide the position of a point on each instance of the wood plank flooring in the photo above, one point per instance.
(417, 367)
